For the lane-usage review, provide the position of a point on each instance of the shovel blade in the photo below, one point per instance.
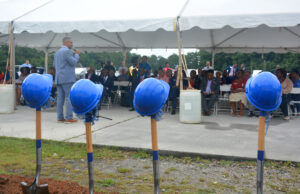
(34, 189)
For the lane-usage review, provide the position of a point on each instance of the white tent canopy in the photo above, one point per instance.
(100, 25)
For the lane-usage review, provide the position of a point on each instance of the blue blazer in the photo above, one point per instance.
(64, 64)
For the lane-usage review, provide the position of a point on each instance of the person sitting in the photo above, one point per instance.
(135, 80)
(238, 93)
(111, 73)
(251, 113)
(193, 79)
(232, 71)
(162, 76)
(123, 74)
(33, 69)
(108, 84)
(198, 79)
(6, 78)
(210, 89)
(91, 75)
(218, 76)
(1, 75)
(155, 73)
(286, 86)
(225, 80)
(25, 70)
(295, 97)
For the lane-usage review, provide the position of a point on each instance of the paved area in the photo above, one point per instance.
(220, 135)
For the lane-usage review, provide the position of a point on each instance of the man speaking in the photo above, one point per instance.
(64, 63)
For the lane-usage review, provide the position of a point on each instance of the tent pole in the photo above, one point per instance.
(264, 61)
(179, 70)
(124, 57)
(12, 53)
(46, 61)
(12, 58)
(213, 58)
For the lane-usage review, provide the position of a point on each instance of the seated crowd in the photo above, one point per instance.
(203, 80)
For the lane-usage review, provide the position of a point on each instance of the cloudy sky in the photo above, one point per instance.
(160, 52)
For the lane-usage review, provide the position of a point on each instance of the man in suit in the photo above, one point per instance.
(210, 89)
(91, 75)
(108, 84)
(64, 63)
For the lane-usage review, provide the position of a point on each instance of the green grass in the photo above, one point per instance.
(63, 161)
(124, 170)
(221, 186)
(106, 182)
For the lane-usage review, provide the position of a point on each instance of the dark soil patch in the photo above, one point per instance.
(12, 184)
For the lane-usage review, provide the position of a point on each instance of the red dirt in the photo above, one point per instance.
(12, 184)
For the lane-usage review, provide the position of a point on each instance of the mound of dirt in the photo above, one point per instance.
(12, 184)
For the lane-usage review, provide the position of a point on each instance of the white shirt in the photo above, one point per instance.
(207, 68)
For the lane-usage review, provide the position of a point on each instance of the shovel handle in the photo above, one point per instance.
(154, 135)
(155, 155)
(38, 124)
(89, 147)
(260, 151)
(38, 128)
(88, 128)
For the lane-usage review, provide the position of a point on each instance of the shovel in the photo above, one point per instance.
(88, 127)
(260, 152)
(155, 155)
(35, 188)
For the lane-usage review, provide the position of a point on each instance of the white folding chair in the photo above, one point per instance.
(223, 100)
(294, 102)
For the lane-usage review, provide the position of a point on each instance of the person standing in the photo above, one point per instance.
(27, 63)
(207, 67)
(64, 63)
(232, 71)
(146, 66)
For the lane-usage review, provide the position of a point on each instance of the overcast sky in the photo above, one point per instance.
(160, 52)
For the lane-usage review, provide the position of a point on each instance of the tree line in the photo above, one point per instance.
(194, 60)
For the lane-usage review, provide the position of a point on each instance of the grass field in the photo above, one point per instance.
(131, 171)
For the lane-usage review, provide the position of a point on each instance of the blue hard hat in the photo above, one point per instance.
(264, 91)
(49, 78)
(150, 96)
(85, 95)
(36, 90)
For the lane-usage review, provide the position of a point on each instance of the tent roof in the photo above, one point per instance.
(63, 16)
(97, 25)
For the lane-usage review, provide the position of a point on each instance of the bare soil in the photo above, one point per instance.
(12, 184)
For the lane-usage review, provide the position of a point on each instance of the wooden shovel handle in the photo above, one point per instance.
(261, 133)
(154, 134)
(38, 124)
(89, 145)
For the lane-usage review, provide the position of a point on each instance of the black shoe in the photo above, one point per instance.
(131, 109)
(173, 112)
